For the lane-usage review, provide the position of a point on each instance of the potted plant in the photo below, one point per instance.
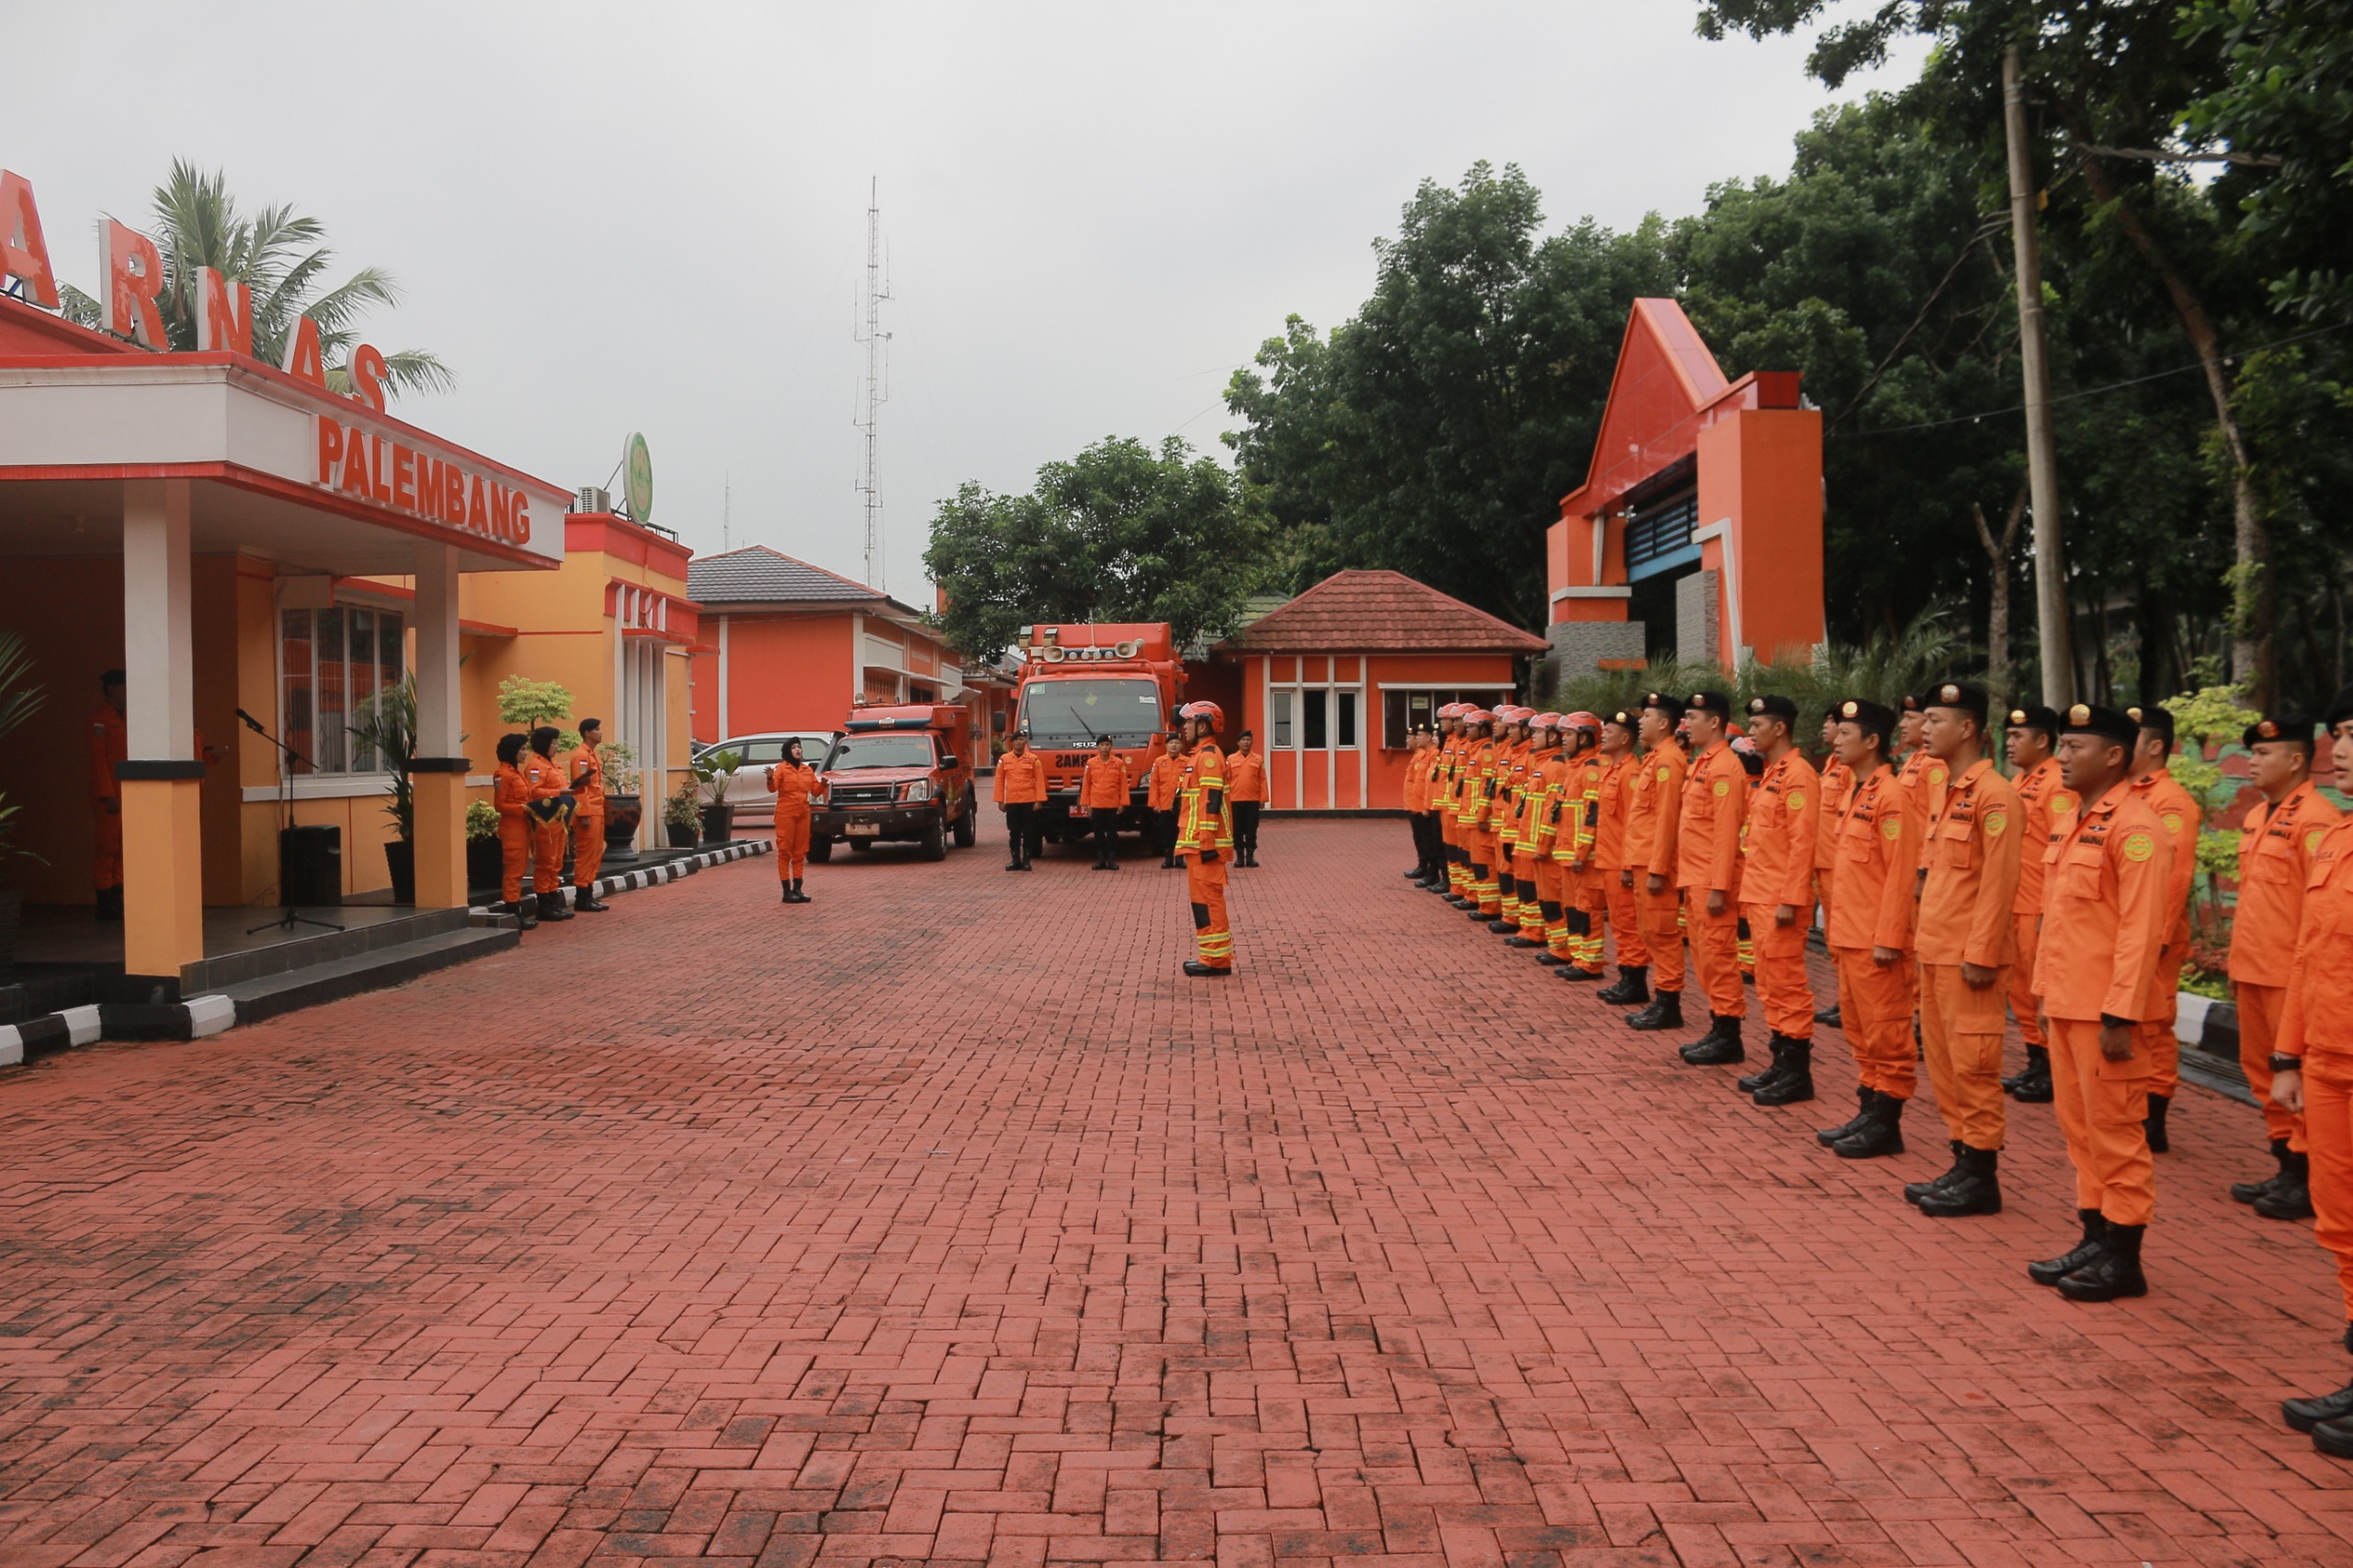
(682, 816)
(20, 701)
(385, 730)
(714, 771)
(624, 808)
(485, 863)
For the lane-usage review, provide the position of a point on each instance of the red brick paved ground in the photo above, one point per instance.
(940, 1220)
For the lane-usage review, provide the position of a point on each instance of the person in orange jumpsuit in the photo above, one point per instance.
(2311, 1069)
(1160, 797)
(1967, 944)
(2105, 873)
(1481, 897)
(1445, 782)
(1612, 862)
(795, 785)
(551, 812)
(1205, 839)
(1713, 807)
(1837, 787)
(1653, 813)
(1541, 910)
(1577, 944)
(587, 782)
(1245, 792)
(1020, 790)
(511, 795)
(1776, 895)
(1871, 933)
(1103, 789)
(2276, 849)
(1414, 795)
(2183, 818)
(2043, 801)
(1510, 771)
(1752, 762)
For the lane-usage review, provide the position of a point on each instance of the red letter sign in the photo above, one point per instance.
(23, 253)
(134, 272)
(367, 376)
(225, 314)
(303, 353)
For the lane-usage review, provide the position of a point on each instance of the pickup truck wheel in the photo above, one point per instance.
(967, 830)
(934, 841)
(821, 850)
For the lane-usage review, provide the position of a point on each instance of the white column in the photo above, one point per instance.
(158, 652)
(439, 701)
(723, 731)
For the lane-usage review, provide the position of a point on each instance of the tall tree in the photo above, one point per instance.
(1120, 533)
(282, 256)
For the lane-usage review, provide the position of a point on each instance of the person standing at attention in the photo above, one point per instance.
(1020, 789)
(1245, 782)
(795, 784)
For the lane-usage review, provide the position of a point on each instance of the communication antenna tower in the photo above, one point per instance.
(727, 513)
(878, 289)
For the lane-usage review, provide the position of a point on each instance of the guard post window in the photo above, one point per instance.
(1403, 707)
(332, 662)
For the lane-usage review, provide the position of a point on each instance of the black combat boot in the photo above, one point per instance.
(1976, 1190)
(2304, 1414)
(2154, 1125)
(2010, 1081)
(1633, 986)
(1665, 1012)
(2051, 1270)
(1880, 1133)
(2034, 1084)
(796, 895)
(1915, 1190)
(1830, 1017)
(1828, 1135)
(1795, 1084)
(2292, 1198)
(2114, 1274)
(1719, 1047)
(1550, 958)
(1749, 1082)
(2248, 1192)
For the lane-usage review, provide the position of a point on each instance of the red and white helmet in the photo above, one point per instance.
(1208, 712)
(1544, 722)
(1478, 716)
(1454, 710)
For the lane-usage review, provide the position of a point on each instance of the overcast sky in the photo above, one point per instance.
(653, 217)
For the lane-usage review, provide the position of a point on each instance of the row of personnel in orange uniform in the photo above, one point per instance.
(1106, 786)
(544, 803)
(1949, 892)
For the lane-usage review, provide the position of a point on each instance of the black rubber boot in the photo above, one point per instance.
(1795, 1085)
(2011, 1081)
(1200, 970)
(2156, 1124)
(2034, 1084)
(1570, 972)
(1880, 1133)
(2248, 1192)
(1665, 1012)
(1503, 924)
(784, 887)
(2051, 1270)
(2114, 1274)
(1828, 1135)
(1977, 1190)
(2292, 1198)
(1748, 1083)
(1633, 986)
(1915, 1190)
(2303, 1414)
(1550, 958)
(1829, 1016)
(1719, 1047)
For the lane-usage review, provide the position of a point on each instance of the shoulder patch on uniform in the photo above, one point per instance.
(1661, 775)
(1797, 799)
(2173, 822)
(2311, 839)
(1996, 824)
(1890, 827)
(1937, 776)
(1722, 787)
(2139, 846)
(2061, 803)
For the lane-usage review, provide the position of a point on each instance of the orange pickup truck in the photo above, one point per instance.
(898, 775)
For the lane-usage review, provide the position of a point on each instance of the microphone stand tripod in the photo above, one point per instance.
(287, 919)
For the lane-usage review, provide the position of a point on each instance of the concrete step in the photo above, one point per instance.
(267, 996)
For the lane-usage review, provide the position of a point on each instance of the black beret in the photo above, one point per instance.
(1874, 718)
(2036, 718)
(1958, 694)
(1773, 707)
(2155, 719)
(1714, 702)
(1670, 705)
(2277, 727)
(2107, 723)
(1622, 718)
(1914, 703)
(2340, 710)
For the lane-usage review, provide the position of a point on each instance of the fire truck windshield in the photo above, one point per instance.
(880, 751)
(1074, 712)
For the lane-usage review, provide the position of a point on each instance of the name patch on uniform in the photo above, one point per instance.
(1996, 824)
(2138, 847)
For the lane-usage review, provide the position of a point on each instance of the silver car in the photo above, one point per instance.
(747, 790)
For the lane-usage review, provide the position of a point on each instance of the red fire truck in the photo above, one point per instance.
(1081, 682)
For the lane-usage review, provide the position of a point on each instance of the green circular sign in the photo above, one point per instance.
(637, 477)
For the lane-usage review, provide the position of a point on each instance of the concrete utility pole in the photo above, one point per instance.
(2042, 453)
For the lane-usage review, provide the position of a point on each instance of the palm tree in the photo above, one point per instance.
(279, 254)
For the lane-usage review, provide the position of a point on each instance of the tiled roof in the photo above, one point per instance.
(1380, 612)
(756, 574)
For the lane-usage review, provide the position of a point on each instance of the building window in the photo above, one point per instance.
(1658, 536)
(332, 662)
(1347, 725)
(1279, 711)
(1403, 708)
(1318, 716)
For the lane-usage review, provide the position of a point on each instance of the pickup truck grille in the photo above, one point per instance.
(861, 794)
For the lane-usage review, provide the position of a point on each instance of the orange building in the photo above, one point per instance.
(1332, 683)
(1698, 531)
(785, 645)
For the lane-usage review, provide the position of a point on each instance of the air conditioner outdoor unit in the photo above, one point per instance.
(593, 498)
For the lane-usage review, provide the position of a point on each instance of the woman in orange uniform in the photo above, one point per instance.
(795, 784)
(2311, 1069)
(511, 794)
(1246, 788)
(550, 813)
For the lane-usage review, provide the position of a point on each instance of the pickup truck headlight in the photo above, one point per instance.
(918, 790)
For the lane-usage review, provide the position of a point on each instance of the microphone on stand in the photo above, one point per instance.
(250, 723)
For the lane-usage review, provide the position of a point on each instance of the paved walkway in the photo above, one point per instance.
(942, 1219)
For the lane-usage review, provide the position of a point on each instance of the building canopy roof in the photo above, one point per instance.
(1379, 612)
(756, 574)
